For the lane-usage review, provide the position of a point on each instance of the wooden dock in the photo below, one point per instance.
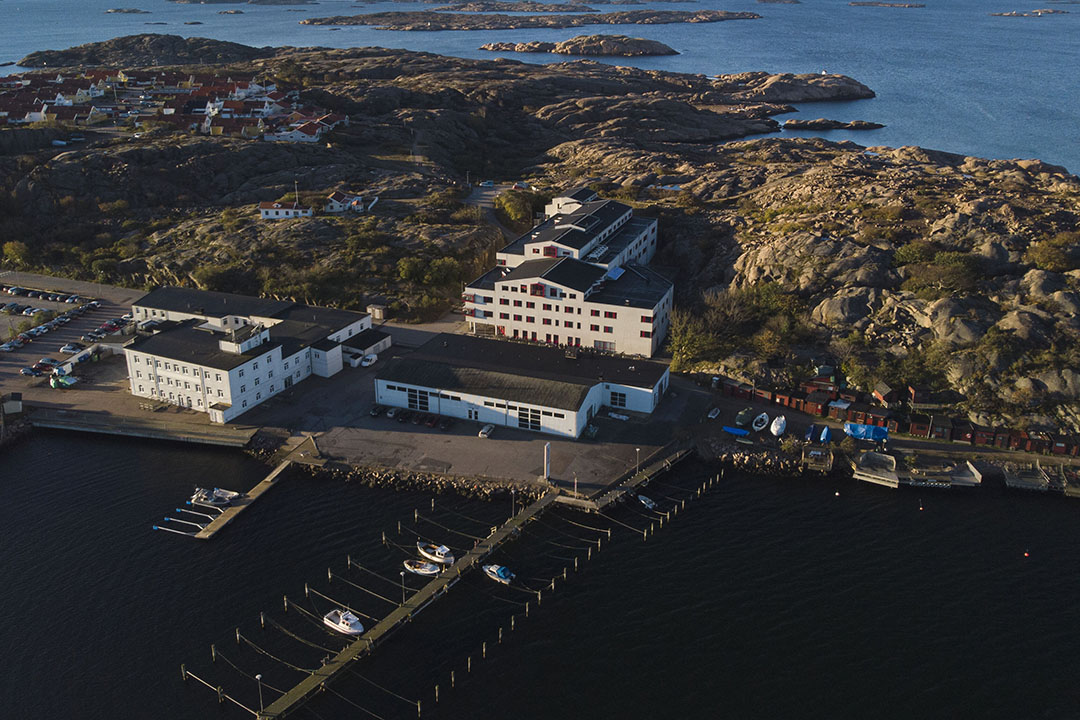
(617, 493)
(295, 697)
(228, 514)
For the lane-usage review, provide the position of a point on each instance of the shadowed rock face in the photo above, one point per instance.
(591, 45)
(148, 49)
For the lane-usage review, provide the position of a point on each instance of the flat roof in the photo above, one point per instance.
(566, 271)
(330, 318)
(210, 303)
(517, 371)
(639, 286)
(574, 230)
(618, 242)
(187, 343)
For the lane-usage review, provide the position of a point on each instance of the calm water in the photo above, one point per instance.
(948, 76)
(765, 599)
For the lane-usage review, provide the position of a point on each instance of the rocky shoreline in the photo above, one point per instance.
(435, 21)
(391, 479)
(824, 124)
(147, 49)
(590, 45)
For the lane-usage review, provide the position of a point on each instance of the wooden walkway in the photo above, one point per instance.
(417, 602)
(228, 514)
(632, 483)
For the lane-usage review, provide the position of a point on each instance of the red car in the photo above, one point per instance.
(431, 420)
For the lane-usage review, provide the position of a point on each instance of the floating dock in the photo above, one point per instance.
(227, 515)
(295, 697)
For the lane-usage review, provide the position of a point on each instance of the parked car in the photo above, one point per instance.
(485, 432)
(488, 183)
(418, 418)
(42, 367)
(392, 412)
(445, 423)
(72, 348)
(30, 371)
(7, 347)
(404, 416)
(369, 360)
(376, 410)
(519, 185)
(431, 420)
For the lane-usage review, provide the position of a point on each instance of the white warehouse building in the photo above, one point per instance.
(578, 279)
(224, 354)
(518, 385)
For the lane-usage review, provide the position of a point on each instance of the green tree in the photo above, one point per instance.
(442, 271)
(688, 340)
(411, 269)
(17, 253)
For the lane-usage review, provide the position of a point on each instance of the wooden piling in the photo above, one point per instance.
(436, 692)
(213, 653)
(262, 620)
(183, 672)
(483, 650)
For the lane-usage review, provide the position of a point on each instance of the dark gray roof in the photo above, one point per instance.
(566, 271)
(330, 318)
(592, 218)
(187, 343)
(516, 371)
(209, 303)
(368, 338)
(581, 194)
(325, 345)
(487, 280)
(294, 336)
(629, 232)
(639, 286)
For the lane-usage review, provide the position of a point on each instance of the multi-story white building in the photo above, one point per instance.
(224, 354)
(517, 385)
(580, 278)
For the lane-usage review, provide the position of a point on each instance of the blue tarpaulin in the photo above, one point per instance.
(866, 432)
(737, 432)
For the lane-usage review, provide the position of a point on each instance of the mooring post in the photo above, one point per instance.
(415, 515)
(432, 504)
(511, 622)
(220, 695)
(384, 537)
(418, 702)
(609, 533)
(436, 692)
(500, 640)
(588, 556)
(526, 609)
(307, 593)
(329, 576)
(183, 672)
(468, 664)
(483, 650)
(237, 636)
(262, 620)
(213, 653)
(285, 598)
(451, 678)
(398, 527)
(348, 558)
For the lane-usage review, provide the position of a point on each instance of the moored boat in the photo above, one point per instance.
(647, 502)
(343, 621)
(744, 417)
(760, 422)
(213, 497)
(421, 567)
(436, 553)
(779, 425)
(499, 573)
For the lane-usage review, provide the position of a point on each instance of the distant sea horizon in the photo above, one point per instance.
(948, 76)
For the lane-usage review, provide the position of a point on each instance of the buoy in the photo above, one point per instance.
(1027, 554)
(837, 493)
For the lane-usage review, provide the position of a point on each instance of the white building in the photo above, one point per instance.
(224, 354)
(580, 278)
(280, 211)
(338, 202)
(518, 385)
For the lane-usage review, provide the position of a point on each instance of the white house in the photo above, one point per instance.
(338, 201)
(279, 210)
(518, 385)
(223, 354)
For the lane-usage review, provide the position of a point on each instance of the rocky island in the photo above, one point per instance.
(886, 4)
(906, 265)
(824, 124)
(148, 49)
(595, 45)
(528, 6)
(126, 11)
(432, 21)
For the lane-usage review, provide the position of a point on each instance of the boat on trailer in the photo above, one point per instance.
(760, 422)
(499, 573)
(213, 497)
(779, 425)
(439, 554)
(421, 567)
(343, 621)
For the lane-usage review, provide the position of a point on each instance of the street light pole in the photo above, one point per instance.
(258, 679)
(637, 464)
(402, 587)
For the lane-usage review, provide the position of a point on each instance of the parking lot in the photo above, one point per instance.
(82, 317)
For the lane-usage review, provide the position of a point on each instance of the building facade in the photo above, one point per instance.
(517, 385)
(581, 278)
(224, 354)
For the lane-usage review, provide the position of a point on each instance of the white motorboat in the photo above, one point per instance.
(760, 422)
(647, 502)
(215, 497)
(421, 567)
(439, 554)
(779, 425)
(499, 573)
(343, 621)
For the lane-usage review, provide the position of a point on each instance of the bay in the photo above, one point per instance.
(948, 76)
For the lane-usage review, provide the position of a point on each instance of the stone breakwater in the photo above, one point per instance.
(15, 430)
(481, 488)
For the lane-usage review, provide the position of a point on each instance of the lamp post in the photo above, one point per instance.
(637, 464)
(402, 587)
(258, 679)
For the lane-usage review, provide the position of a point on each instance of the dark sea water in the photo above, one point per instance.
(948, 76)
(766, 598)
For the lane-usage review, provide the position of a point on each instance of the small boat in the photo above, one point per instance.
(826, 435)
(343, 621)
(760, 422)
(421, 567)
(215, 497)
(714, 413)
(439, 554)
(499, 573)
(738, 432)
(779, 425)
(744, 417)
(811, 433)
(647, 502)
(744, 441)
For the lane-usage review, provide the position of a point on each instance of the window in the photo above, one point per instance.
(646, 319)
(573, 296)
(286, 364)
(504, 301)
(594, 313)
(271, 388)
(618, 399)
(517, 318)
(243, 404)
(530, 319)
(517, 303)
(166, 366)
(609, 314)
(504, 316)
(594, 328)
(258, 396)
(605, 346)
(256, 381)
(607, 329)
(569, 309)
(220, 393)
(185, 369)
(528, 419)
(255, 366)
(530, 305)
(140, 388)
(488, 299)
(241, 373)
(243, 388)
(187, 385)
(138, 374)
(646, 334)
(547, 321)
(218, 376)
(547, 306)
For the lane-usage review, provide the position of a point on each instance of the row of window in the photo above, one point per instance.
(441, 396)
(507, 406)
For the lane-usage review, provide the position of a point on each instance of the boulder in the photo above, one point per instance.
(1028, 325)
(1040, 284)
(846, 307)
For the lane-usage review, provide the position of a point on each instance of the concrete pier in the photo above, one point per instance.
(229, 514)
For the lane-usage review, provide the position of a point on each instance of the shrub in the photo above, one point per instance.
(17, 253)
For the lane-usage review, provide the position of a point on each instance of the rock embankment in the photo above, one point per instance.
(432, 21)
(589, 45)
(147, 49)
(823, 124)
(482, 488)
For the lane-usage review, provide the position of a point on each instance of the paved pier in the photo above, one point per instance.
(417, 602)
(643, 477)
(152, 428)
(226, 516)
